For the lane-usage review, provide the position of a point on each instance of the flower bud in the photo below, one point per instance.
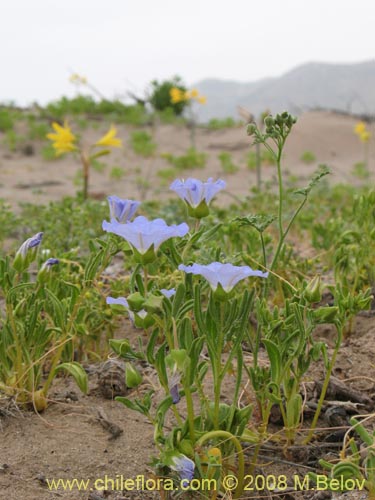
(269, 121)
(153, 304)
(132, 376)
(136, 301)
(45, 270)
(251, 129)
(313, 290)
(326, 314)
(26, 254)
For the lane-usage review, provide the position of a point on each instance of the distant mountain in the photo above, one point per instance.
(344, 87)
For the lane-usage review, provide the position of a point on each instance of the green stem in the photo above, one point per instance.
(190, 410)
(325, 386)
(241, 462)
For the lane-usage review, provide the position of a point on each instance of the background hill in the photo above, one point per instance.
(343, 87)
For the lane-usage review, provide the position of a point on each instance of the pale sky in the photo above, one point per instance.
(122, 45)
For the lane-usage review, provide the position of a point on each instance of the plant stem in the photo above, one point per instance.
(325, 386)
(241, 463)
(86, 171)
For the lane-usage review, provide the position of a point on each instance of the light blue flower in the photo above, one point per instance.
(197, 194)
(168, 293)
(122, 210)
(173, 387)
(183, 466)
(27, 252)
(145, 236)
(225, 275)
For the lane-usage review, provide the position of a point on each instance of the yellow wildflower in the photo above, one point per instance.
(360, 128)
(194, 93)
(177, 95)
(365, 136)
(110, 139)
(202, 99)
(63, 140)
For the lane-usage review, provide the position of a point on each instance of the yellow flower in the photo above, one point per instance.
(110, 139)
(177, 95)
(202, 99)
(194, 93)
(365, 136)
(63, 140)
(360, 128)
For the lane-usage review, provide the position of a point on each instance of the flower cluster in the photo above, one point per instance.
(197, 194)
(178, 95)
(63, 140)
(361, 131)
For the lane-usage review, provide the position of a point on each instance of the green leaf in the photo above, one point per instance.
(260, 222)
(322, 172)
(103, 152)
(77, 372)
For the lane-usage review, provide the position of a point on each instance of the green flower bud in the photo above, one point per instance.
(313, 290)
(186, 448)
(143, 320)
(132, 376)
(154, 303)
(269, 121)
(136, 301)
(251, 129)
(120, 346)
(326, 314)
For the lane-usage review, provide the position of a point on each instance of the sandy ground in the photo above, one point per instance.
(328, 136)
(68, 441)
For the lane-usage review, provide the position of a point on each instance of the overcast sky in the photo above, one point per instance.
(122, 45)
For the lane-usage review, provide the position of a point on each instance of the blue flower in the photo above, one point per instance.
(27, 252)
(173, 387)
(45, 270)
(145, 236)
(197, 194)
(122, 210)
(183, 466)
(49, 263)
(225, 275)
(168, 293)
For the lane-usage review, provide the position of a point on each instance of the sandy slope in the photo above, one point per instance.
(329, 136)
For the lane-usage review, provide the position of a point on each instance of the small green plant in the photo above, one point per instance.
(223, 123)
(49, 154)
(160, 97)
(98, 166)
(227, 165)
(360, 170)
(37, 130)
(308, 157)
(6, 120)
(166, 175)
(117, 173)
(141, 143)
(192, 159)
(13, 140)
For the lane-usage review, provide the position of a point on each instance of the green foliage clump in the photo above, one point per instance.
(87, 105)
(227, 164)
(141, 143)
(6, 120)
(192, 159)
(222, 123)
(160, 98)
(308, 157)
